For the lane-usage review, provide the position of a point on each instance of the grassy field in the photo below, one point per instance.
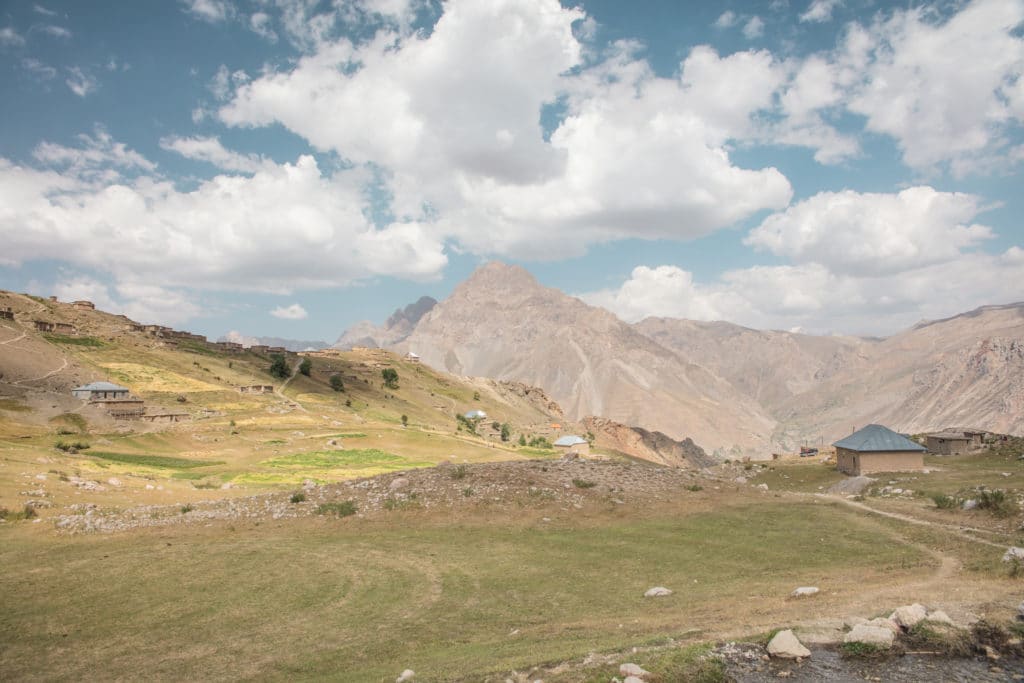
(363, 600)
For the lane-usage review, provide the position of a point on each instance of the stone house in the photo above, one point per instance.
(84, 305)
(7, 313)
(952, 442)
(65, 328)
(412, 357)
(259, 348)
(257, 389)
(95, 391)
(878, 449)
(570, 443)
(43, 326)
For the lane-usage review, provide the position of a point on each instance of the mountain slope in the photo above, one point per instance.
(395, 329)
(501, 323)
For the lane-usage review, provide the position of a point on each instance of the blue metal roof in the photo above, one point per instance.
(475, 414)
(570, 440)
(101, 386)
(877, 438)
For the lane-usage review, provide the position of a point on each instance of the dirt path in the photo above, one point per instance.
(280, 390)
(955, 530)
(14, 339)
(51, 373)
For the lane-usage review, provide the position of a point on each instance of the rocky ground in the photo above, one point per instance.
(566, 484)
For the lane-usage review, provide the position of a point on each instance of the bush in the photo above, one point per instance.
(306, 366)
(694, 487)
(390, 376)
(522, 439)
(336, 383)
(862, 651)
(405, 420)
(583, 484)
(343, 509)
(279, 367)
(185, 509)
(944, 502)
(467, 492)
(540, 442)
(71, 446)
(298, 497)
(459, 472)
(996, 502)
(506, 432)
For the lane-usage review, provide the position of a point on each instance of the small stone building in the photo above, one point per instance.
(878, 449)
(43, 326)
(412, 357)
(953, 442)
(257, 389)
(96, 391)
(570, 443)
(7, 313)
(84, 305)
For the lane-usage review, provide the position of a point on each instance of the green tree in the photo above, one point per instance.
(495, 425)
(506, 432)
(522, 439)
(305, 366)
(336, 383)
(476, 395)
(390, 376)
(405, 420)
(279, 366)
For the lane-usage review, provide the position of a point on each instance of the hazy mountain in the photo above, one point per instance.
(395, 329)
(502, 323)
(730, 388)
(290, 344)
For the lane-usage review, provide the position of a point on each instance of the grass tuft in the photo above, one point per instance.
(342, 509)
(583, 484)
(160, 461)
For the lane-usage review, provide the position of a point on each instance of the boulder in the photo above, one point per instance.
(804, 592)
(940, 617)
(969, 504)
(909, 615)
(851, 485)
(1014, 554)
(399, 483)
(882, 622)
(631, 669)
(633, 679)
(406, 675)
(657, 592)
(785, 645)
(878, 636)
(114, 481)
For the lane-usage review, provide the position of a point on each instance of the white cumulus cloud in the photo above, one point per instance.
(211, 150)
(292, 312)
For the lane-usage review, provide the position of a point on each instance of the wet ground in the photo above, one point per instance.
(744, 664)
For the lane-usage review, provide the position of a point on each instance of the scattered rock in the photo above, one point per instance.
(114, 481)
(871, 635)
(851, 486)
(407, 675)
(969, 504)
(657, 592)
(633, 679)
(631, 669)
(909, 616)
(882, 622)
(399, 483)
(740, 480)
(785, 645)
(1020, 611)
(804, 591)
(1014, 553)
(940, 617)
(763, 487)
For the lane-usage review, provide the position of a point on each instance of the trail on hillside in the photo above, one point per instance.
(955, 530)
(14, 339)
(51, 373)
(280, 390)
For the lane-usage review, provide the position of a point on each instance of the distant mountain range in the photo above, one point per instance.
(732, 389)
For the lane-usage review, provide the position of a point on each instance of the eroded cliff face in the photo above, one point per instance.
(646, 445)
(733, 390)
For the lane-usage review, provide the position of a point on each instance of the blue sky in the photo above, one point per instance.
(289, 167)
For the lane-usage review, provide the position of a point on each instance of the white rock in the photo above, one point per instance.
(804, 591)
(909, 615)
(114, 481)
(882, 622)
(870, 635)
(740, 480)
(633, 679)
(940, 617)
(969, 504)
(407, 675)
(657, 592)
(399, 483)
(149, 487)
(763, 487)
(630, 669)
(785, 645)
(1014, 553)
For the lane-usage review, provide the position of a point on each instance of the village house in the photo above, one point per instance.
(259, 348)
(7, 313)
(954, 442)
(277, 349)
(412, 357)
(878, 449)
(129, 408)
(100, 390)
(43, 326)
(65, 328)
(475, 415)
(572, 444)
(84, 305)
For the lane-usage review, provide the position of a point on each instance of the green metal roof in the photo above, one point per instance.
(877, 438)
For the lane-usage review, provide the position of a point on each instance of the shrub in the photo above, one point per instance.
(279, 367)
(337, 383)
(583, 484)
(996, 502)
(71, 446)
(694, 487)
(862, 651)
(468, 491)
(306, 366)
(298, 497)
(944, 502)
(522, 439)
(405, 420)
(348, 403)
(185, 509)
(342, 509)
(390, 376)
(459, 472)
(540, 442)
(506, 432)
